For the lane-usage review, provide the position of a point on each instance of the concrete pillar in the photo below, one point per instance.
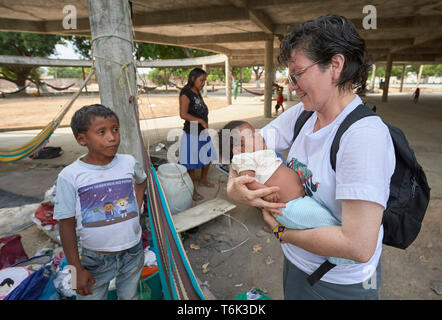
(419, 75)
(373, 77)
(387, 77)
(268, 67)
(108, 17)
(402, 78)
(289, 93)
(228, 80)
(204, 67)
(240, 79)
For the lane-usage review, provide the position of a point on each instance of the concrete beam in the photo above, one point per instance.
(191, 16)
(46, 62)
(225, 38)
(262, 20)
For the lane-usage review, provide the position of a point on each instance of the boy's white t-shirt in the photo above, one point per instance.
(102, 199)
(364, 165)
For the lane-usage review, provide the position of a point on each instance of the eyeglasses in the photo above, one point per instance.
(293, 77)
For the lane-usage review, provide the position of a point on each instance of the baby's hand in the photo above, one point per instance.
(273, 197)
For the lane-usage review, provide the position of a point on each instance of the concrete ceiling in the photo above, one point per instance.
(410, 29)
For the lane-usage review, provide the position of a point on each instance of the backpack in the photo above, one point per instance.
(409, 190)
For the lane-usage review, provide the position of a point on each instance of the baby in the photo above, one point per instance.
(251, 157)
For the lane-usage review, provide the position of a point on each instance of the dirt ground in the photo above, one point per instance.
(36, 112)
(235, 265)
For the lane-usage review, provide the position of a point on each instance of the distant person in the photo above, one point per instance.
(196, 148)
(99, 197)
(279, 99)
(416, 95)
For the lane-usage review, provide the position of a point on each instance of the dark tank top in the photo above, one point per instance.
(197, 108)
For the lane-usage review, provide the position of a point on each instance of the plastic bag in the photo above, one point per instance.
(144, 292)
(12, 251)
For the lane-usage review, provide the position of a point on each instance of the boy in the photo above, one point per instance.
(88, 204)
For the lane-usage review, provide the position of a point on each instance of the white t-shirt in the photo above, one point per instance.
(364, 165)
(102, 199)
(263, 162)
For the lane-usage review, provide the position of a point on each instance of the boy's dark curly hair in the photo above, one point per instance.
(322, 38)
(81, 120)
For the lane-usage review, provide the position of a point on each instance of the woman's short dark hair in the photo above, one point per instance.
(193, 75)
(81, 120)
(322, 38)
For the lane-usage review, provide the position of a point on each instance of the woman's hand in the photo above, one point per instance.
(269, 218)
(203, 123)
(237, 191)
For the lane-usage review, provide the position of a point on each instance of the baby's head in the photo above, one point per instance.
(241, 137)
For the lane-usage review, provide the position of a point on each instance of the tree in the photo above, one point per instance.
(71, 72)
(25, 44)
(258, 73)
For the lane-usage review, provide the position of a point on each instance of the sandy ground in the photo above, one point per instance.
(407, 274)
(36, 112)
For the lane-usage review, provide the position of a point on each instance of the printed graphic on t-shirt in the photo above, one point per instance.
(305, 174)
(107, 202)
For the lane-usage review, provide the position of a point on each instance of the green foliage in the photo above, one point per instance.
(25, 44)
(71, 72)
(396, 71)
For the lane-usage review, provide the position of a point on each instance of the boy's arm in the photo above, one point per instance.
(140, 189)
(68, 239)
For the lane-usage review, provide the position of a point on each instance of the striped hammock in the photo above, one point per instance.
(177, 278)
(38, 142)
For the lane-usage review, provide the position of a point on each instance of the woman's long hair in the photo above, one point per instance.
(194, 74)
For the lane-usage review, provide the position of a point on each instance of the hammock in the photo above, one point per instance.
(177, 278)
(57, 88)
(254, 92)
(17, 91)
(38, 142)
(147, 89)
(174, 85)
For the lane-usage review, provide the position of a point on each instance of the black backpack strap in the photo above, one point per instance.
(358, 113)
(318, 273)
(302, 119)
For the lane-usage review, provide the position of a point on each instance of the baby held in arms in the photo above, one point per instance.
(249, 156)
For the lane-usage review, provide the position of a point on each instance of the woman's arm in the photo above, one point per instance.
(356, 239)
(238, 192)
(184, 112)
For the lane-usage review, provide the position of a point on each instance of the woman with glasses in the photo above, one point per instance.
(327, 63)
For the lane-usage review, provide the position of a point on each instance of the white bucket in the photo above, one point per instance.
(177, 186)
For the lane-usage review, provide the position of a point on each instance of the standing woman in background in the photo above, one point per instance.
(196, 146)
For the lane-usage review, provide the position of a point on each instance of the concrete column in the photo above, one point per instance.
(419, 75)
(387, 77)
(228, 80)
(204, 67)
(402, 78)
(289, 93)
(373, 77)
(240, 79)
(268, 67)
(108, 17)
